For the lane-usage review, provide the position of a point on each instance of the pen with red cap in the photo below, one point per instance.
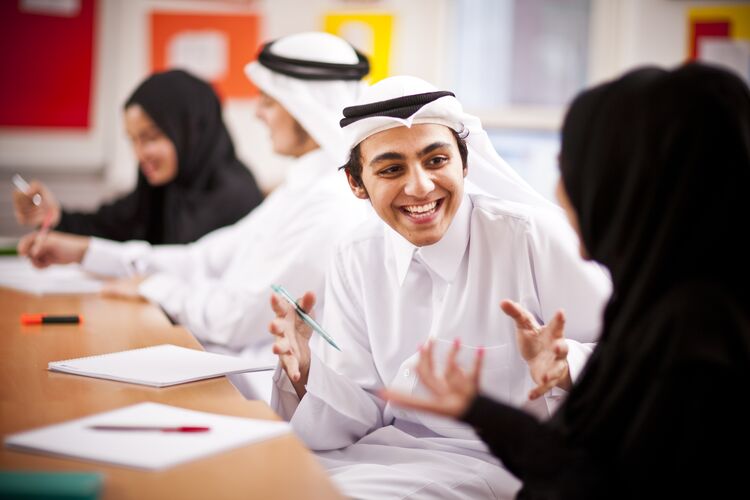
(180, 428)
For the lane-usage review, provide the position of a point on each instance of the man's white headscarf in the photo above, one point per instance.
(313, 76)
(406, 100)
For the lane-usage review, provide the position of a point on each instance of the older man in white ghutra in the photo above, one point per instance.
(432, 268)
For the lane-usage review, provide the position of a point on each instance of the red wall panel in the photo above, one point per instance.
(46, 63)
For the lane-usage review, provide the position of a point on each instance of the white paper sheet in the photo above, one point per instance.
(18, 273)
(150, 450)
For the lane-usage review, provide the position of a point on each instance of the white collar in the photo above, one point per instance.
(443, 257)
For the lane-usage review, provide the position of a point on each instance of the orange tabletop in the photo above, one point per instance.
(31, 396)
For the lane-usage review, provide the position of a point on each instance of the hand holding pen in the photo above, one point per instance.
(303, 314)
(33, 202)
(46, 248)
(292, 343)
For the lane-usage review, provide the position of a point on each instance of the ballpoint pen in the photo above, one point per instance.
(24, 187)
(181, 428)
(305, 317)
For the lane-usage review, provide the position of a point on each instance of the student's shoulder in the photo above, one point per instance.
(534, 221)
(494, 209)
(366, 237)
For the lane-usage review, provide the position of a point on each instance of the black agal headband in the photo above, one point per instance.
(399, 107)
(313, 70)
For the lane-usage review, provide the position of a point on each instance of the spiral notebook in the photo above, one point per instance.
(157, 366)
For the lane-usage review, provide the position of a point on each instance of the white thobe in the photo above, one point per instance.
(219, 286)
(384, 298)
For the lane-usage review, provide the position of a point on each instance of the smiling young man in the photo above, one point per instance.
(457, 231)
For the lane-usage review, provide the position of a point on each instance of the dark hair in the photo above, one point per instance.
(354, 166)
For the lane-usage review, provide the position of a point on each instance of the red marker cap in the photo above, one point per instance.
(41, 318)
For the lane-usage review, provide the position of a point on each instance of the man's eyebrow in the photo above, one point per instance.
(432, 147)
(390, 155)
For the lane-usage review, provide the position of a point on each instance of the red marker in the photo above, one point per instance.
(148, 428)
(40, 318)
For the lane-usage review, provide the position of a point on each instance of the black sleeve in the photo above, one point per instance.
(527, 447)
(115, 221)
(221, 206)
(535, 452)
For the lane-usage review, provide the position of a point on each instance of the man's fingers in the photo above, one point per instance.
(279, 305)
(542, 388)
(521, 316)
(511, 309)
(307, 302)
(276, 327)
(561, 349)
(557, 325)
(539, 391)
(549, 379)
(291, 366)
(281, 347)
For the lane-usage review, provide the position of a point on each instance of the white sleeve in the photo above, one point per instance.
(227, 303)
(336, 412)
(122, 259)
(340, 406)
(565, 281)
(113, 258)
(208, 256)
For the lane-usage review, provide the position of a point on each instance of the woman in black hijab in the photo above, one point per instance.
(655, 166)
(190, 180)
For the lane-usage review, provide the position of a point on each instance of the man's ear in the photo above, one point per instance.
(466, 171)
(358, 190)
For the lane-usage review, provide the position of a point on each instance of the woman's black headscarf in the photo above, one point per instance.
(657, 166)
(213, 188)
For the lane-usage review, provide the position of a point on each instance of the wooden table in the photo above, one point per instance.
(31, 396)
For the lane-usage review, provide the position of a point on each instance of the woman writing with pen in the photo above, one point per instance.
(190, 180)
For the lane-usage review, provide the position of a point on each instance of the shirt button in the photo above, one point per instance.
(407, 372)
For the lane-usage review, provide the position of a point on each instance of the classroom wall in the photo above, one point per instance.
(122, 62)
(624, 34)
(631, 33)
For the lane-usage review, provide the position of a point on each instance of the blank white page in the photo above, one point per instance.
(146, 449)
(18, 273)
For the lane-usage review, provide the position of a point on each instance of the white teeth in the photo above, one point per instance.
(419, 209)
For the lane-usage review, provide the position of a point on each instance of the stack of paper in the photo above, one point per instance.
(18, 273)
(146, 449)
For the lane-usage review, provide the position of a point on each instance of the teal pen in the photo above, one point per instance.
(305, 317)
